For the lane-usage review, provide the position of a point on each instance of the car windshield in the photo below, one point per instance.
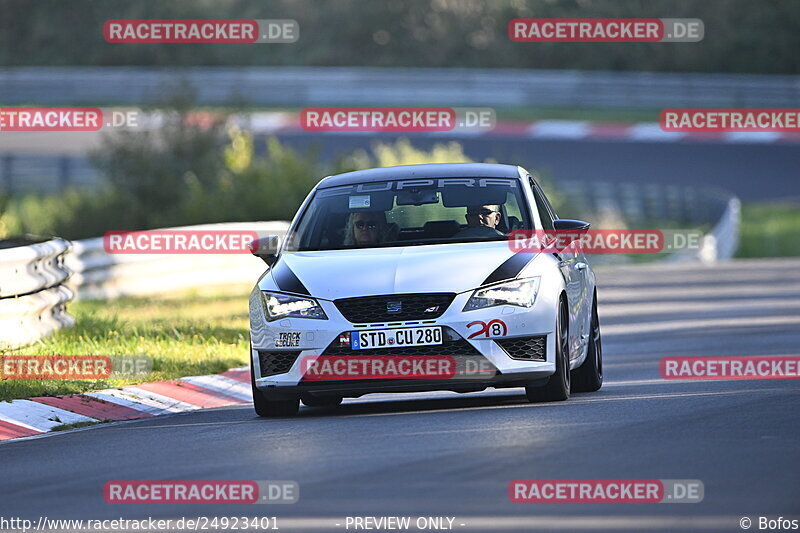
(409, 213)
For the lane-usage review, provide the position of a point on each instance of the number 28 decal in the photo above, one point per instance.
(493, 328)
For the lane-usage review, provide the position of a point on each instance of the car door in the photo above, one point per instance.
(572, 268)
(583, 291)
(585, 305)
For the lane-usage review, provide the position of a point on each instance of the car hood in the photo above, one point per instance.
(455, 267)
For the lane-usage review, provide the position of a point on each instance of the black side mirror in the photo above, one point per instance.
(572, 229)
(565, 224)
(266, 248)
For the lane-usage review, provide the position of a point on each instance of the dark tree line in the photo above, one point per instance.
(740, 35)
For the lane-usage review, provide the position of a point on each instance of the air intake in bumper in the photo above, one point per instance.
(272, 363)
(525, 348)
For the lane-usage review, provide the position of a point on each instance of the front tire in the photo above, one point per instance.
(270, 408)
(589, 376)
(558, 386)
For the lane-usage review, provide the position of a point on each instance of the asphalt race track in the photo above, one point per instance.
(754, 171)
(451, 455)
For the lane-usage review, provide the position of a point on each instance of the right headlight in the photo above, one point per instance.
(520, 292)
(278, 305)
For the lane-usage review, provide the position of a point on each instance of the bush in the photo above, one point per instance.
(741, 35)
(153, 167)
(161, 180)
(402, 152)
(73, 215)
(769, 230)
(252, 188)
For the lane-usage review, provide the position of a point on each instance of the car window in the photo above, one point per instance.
(513, 209)
(410, 212)
(544, 207)
(417, 216)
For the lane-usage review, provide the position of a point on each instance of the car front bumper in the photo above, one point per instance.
(310, 339)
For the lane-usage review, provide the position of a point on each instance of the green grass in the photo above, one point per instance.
(769, 230)
(185, 334)
(65, 427)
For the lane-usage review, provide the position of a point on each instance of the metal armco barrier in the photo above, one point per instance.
(627, 205)
(33, 296)
(358, 86)
(97, 274)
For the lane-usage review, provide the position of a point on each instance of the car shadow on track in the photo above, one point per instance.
(364, 406)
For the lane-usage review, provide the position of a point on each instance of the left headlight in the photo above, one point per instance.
(520, 292)
(278, 305)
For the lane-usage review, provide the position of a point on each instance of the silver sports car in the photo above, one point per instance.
(403, 279)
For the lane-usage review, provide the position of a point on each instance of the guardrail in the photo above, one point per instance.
(309, 86)
(620, 205)
(97, 274)
(22, 173)
(33, 296)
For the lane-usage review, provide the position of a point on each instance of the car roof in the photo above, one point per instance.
(431, 170)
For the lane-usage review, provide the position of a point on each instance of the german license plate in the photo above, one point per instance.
(396, 338)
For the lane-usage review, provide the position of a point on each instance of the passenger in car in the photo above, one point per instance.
(365, 228)
(482, 221)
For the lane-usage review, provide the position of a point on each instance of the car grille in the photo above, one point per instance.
(272, 363)
(525, 348)
(413, 307)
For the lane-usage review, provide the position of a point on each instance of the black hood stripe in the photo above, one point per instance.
(286, 279)
(510, 268)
